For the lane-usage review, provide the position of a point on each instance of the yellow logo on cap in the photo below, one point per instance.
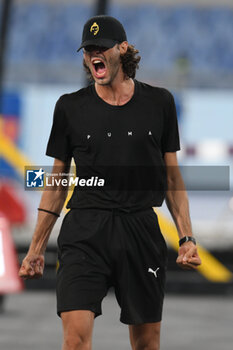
(95, 28)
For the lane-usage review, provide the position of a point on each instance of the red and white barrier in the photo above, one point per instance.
(10, 282)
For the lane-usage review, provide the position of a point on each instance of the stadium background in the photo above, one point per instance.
(186, 46)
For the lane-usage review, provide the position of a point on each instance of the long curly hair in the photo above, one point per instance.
(130, 63)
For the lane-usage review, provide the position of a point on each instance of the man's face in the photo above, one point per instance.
(103, 63)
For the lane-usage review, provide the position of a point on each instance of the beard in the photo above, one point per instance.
(88, 72)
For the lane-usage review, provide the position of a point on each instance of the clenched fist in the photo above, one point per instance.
(32, 266)
(188, 258)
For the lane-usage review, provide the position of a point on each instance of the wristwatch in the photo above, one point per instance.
(187, 239)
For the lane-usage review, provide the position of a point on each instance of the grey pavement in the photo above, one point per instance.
(194, 323)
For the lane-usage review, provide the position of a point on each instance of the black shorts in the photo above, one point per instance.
(99, 249)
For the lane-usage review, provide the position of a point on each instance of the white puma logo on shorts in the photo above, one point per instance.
(153, 271)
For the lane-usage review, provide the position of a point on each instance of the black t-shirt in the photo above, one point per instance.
(124, 143)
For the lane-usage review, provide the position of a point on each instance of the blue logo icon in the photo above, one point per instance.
(35, 178)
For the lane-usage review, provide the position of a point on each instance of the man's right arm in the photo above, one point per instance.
(52, 200)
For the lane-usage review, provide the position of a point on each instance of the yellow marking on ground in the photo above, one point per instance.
(10, 152)
(70, 192)
(211, 268)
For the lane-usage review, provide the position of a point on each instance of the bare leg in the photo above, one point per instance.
(77, 329)
(145, 336)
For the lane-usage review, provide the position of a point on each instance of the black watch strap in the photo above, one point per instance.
(187, 239)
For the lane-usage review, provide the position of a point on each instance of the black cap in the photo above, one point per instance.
(103, 31)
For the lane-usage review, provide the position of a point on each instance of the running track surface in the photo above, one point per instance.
(203, 323)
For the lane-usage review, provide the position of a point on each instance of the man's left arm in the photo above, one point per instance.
(177, 203)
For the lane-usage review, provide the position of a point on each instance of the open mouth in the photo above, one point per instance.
(99, 67)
